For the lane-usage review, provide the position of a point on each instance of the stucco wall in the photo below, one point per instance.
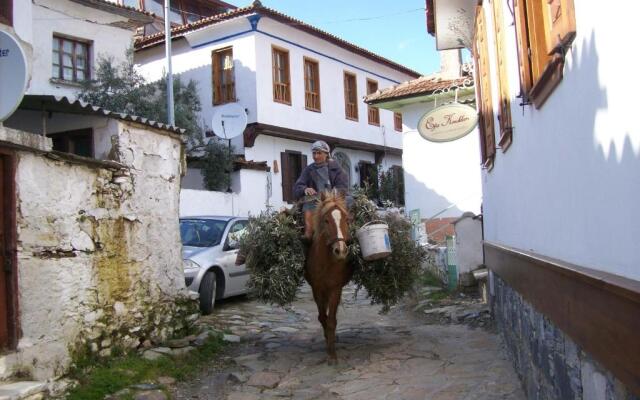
(468, 244)
(568, 185)
(439, 175)
(99, 253)
(75, 21)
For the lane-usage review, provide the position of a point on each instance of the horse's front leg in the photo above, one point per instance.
(321, 303)
(332, 322)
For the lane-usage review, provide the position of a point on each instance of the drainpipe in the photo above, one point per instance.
(167, 46)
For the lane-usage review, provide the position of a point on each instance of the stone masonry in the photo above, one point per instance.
(549, 363)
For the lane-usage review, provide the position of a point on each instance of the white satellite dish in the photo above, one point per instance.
(13, 75)
(229, 121)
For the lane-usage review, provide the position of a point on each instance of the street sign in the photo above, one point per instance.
(13, 75)
(229, 121)
(447, 123)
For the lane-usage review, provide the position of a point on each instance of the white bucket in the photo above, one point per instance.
(374, 240)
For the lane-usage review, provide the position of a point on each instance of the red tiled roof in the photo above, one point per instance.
(416, 87)
(257, 8)
(115, 5)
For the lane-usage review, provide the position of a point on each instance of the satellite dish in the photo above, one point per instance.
(229, 121)
(13, 74)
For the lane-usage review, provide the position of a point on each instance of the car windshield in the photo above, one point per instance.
(201, 232)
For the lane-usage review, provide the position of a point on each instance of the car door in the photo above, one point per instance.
(238, 274)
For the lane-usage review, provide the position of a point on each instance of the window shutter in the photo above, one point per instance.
(481, 54)
(215, 77)
(303, 164)
(522, 41)
(561, 24)
(287, 188)
(504, 115)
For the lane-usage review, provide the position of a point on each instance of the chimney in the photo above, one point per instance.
(450, 64)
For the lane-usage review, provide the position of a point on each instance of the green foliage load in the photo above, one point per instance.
(387, 280)
(275, 256)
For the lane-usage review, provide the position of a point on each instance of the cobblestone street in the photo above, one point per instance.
(281, 354)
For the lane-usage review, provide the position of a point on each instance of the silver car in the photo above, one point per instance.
(209, 251)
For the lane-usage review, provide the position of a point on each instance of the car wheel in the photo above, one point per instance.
(208, 292)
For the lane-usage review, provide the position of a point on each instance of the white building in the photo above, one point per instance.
(69, 36)
(561, 215)
(297, 84)
(441, 179)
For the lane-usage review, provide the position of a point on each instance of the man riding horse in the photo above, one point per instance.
(324, 174)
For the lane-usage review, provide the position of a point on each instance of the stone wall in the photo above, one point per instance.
(99, 253)
(549, 363)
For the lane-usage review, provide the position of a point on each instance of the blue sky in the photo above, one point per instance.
(393, 29)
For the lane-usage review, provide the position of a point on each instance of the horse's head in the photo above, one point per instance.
(332, 223)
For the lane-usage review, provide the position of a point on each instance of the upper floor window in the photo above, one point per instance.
(281, 79)
(373, 112)
(397, 121)
(311, 85)
(6, 12)
(70, 59)
(224, 86)
(350, 96)
(181, 12)
(544, 30)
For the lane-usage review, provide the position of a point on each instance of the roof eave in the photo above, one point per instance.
(136, 17)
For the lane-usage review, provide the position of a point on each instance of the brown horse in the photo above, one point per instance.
(326, 266)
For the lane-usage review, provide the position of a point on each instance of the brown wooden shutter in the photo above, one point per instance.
(504, 115)
(215, 78)
(483, 73)
(522, 40)
(303, 164)
(561, 24)
(287, 188)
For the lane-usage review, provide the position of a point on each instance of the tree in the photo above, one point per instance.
(121, 88)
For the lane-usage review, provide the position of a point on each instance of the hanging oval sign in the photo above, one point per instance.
(447, 123)
(13, 74)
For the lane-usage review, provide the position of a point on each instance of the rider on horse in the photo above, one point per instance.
(323, 175)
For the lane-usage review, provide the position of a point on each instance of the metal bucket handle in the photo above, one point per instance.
(371, 222)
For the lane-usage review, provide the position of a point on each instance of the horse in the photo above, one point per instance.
(326, 267)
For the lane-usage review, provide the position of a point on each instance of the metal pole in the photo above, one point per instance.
(167, 46)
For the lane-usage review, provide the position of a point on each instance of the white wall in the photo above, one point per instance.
(468, 244)
(331, 120)
(568, 187)
(99, 251)
(253, 76)
(439, 175)
(74, 20)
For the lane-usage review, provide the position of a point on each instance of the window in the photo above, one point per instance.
(130, 3)
(483, 90)
(311, 85)
(224, 86)
(504, 110)
(293, 163)
(70, 59)
(344, 162)
(372, 112)
(281, 81)
(350, 96)
(544, 30)
(78, 142)
(6, 12)
(397, 121)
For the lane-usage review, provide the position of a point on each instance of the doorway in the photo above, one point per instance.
(8, 256)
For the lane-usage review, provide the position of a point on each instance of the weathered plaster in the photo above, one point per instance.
(99, 253)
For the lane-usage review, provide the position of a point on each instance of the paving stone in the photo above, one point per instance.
(177, 343)
(181, 351)
(231, 338)
(150, 395)
(264, 379)
(166, 380)
(20, 390)
(285, 329)
(161, 350)
(151, 355)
